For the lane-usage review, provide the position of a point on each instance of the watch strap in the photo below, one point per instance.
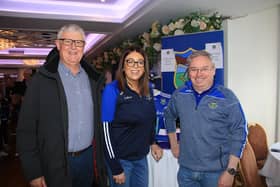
(232, 171)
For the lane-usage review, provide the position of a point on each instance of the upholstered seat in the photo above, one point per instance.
(258, 140)
(249, 169)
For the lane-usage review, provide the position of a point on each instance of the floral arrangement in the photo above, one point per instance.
(151, 40)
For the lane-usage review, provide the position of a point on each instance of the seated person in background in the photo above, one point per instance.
(162, 173)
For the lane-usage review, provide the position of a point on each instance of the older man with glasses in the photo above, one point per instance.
(213, 127)
(60, 118)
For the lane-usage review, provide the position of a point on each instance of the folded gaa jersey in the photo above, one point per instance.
(161, 101)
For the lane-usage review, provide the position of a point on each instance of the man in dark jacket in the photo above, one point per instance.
(60, 118)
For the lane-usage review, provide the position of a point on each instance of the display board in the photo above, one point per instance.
(176, 49)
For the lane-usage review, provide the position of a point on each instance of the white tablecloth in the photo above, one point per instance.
(271, 168)
(164, 172)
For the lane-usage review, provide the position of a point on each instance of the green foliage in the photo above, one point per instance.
(151, 41)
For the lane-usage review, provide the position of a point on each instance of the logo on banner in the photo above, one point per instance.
(181, 71)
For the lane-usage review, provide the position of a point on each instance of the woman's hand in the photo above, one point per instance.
(156, 152)
(119, 179)
(38, 182)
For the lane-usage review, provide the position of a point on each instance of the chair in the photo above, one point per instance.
(258, 140)
(249, 169)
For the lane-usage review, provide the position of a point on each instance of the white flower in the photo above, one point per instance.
(178, 32)
(157, 46)
(146, 36)
(155, 33)
(195, 23)
(180, 23)
(202, 25)
(211, 28)
(171, 26)
(165, 30)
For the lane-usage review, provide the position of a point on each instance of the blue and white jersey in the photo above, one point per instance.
(161, 101)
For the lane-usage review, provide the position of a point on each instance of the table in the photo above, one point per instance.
(271, 168)
(164, 172)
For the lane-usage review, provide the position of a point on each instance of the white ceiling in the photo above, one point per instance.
(118, 19)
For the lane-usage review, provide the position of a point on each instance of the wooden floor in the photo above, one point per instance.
(10, 170)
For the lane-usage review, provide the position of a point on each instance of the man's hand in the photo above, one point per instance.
(225, 180)
(156, 152)
(38, 182)
(119, 179)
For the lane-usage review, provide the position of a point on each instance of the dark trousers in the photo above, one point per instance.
(81, 168)
(3, 133)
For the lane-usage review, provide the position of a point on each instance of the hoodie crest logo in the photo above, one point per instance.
(212, 105)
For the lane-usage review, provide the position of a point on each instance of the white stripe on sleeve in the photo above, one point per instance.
(107, 140)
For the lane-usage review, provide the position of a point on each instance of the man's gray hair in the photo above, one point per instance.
(70, 28)
(199, 53)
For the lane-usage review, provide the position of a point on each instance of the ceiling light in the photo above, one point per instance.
(31, 62)
(117, 12)
(6, 44)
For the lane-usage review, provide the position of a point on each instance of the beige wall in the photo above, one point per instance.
(251, 65)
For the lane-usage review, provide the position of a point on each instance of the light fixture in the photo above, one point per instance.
(116, 11)
(5, 41)
(6, 44)
(31, 62)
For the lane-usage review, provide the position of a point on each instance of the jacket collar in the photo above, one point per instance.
(50, 67)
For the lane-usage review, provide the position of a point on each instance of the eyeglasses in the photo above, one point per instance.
(200, 70)
(131, 62)
(69, 42)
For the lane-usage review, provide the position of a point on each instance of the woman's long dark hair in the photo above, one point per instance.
(144, 79)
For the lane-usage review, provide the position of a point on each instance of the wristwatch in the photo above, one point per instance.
(231, 171)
